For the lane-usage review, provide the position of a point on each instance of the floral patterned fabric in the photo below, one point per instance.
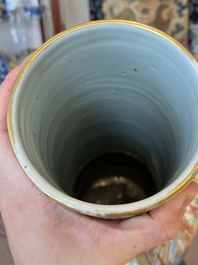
(170, 16)
(193, 28)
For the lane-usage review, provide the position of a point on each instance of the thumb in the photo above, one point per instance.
(5, 90)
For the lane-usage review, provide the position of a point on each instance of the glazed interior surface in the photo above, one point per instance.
(108, 89)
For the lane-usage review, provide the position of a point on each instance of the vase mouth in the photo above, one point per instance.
(44, 60)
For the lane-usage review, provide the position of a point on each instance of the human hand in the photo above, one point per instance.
(40, 231)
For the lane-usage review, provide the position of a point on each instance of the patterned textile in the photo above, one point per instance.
(193, 4)
(96, 9)
(193, 28)
(170, 16)
(4, 68)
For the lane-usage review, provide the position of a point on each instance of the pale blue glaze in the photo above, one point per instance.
(104, 87)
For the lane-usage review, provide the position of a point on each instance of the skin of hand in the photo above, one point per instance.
(40, 231)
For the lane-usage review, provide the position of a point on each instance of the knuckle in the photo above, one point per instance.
(171, 230)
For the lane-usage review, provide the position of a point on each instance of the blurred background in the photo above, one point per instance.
(26, 24)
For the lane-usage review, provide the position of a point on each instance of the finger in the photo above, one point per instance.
(176, 204)
(13, 181)
(5, 90)
(175, 210)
